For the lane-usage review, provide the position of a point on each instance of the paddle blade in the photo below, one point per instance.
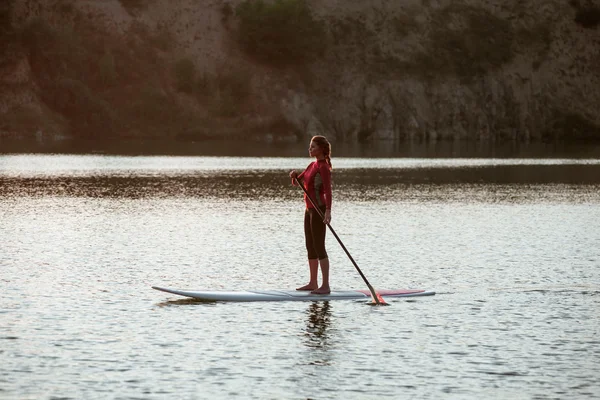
(378, 300)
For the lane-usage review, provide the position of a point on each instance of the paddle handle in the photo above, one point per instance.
(375, 297)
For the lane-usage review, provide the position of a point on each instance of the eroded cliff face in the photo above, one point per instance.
(464, 69)
(448, 69)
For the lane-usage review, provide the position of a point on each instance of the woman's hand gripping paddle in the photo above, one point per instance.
(376, 297)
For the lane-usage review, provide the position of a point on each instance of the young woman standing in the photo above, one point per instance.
(316, 179)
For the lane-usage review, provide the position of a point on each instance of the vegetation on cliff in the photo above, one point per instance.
(283, 32)
(420, 73)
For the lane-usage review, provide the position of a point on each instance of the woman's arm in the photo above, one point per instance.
(326, 179)
(295, 176)
(325, 173)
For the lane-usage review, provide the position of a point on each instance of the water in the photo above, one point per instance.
(510, 246)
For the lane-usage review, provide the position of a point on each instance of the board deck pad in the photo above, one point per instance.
(290, 295)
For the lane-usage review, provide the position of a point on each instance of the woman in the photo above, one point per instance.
(316, 179)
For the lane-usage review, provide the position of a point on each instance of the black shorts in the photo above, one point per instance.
(314, 233)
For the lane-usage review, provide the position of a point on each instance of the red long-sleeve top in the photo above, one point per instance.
(317, 182)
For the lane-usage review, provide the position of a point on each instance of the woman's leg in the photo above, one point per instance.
(313, 266)
(324, 289)
(313, 259)
(319, 229)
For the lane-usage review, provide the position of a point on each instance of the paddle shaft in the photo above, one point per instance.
(339, 241)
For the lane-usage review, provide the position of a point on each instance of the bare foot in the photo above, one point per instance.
(307, 287)
(322, 290)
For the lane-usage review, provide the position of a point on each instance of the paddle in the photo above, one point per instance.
(377, 299)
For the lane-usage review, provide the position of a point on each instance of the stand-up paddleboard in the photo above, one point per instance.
(290, 295)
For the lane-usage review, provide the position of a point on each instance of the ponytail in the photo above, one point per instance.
(328, 159)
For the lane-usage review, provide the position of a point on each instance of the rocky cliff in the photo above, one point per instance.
(350, 69)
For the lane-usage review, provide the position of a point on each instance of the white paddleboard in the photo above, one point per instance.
(290, 295)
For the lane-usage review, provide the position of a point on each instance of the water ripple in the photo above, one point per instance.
(513, 261)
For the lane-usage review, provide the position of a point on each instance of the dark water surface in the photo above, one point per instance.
(274, 148)
(510, 245)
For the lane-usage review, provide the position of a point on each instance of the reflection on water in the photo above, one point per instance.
(471, 185)
(237, 148)
(185, 302)
(266, 178)
(317, 337)
(317, 324)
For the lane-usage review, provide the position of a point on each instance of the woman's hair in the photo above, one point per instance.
(322, 142)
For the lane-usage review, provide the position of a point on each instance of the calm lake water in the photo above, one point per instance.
(511, 246)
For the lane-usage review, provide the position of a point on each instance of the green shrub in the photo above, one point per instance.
(224, 104)
(226, 12)
(224, 92)
(107, 69)
(349, 31)
(153, 109)
(235, 83)
(133, 6)
(203, 84)
(55, 53)
(162, 38)
(88, 113)
(572, 126)
(36, 34)
(150, 103)
(280, 33)
(538, 38)
(588, 17)
(30, 118)
(404, 24)
(64, 68)
(6, 27)
(483, 43)
(185, 74)
(228, 92)
(64, 7)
